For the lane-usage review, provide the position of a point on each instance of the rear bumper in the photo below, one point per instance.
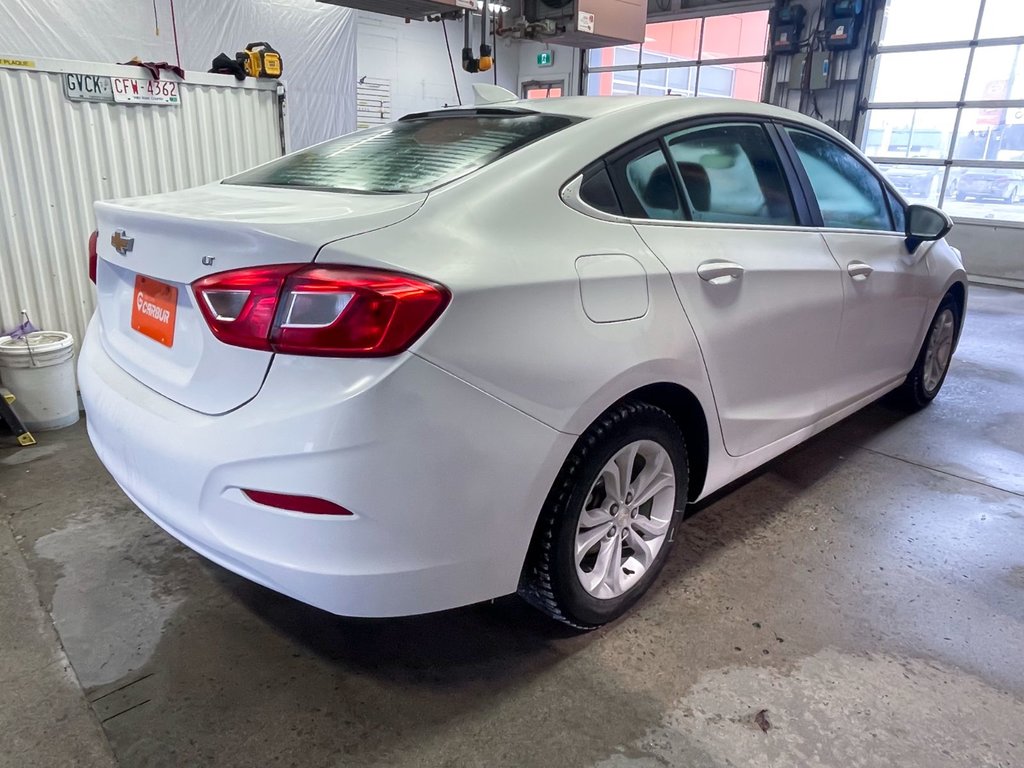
(445, 482)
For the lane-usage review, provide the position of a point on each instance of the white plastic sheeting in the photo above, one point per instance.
(316, 41)
(57, 156)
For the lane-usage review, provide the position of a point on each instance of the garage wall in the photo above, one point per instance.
(57, 156)
(566, 66)
(409, 59)
(316, 41)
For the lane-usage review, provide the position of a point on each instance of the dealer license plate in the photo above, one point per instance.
(153, 308)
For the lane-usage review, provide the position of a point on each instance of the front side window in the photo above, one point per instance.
(414, 155)
(848, 194)
(731, 174)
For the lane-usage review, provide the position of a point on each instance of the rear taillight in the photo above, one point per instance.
(314, 310)
(93, 257)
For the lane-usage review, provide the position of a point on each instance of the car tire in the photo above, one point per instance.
(624, 545)
(925, 380)
(961, 196)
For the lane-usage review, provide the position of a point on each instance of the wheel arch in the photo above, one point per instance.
(687, 412)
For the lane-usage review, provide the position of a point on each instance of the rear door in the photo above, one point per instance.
(886, 289)
(763, 294)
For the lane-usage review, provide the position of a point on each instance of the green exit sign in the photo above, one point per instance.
(546, 59)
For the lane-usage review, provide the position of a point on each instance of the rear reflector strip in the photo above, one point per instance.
(308, 504)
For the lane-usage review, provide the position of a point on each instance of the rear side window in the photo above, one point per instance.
(650, 180)
(597, 191)
(414, 155)
(731, 174)
(849, 195)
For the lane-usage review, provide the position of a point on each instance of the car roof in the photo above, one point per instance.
(673, 107)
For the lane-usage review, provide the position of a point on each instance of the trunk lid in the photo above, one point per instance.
(160, 244)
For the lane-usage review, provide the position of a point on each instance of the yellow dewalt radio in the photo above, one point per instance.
(260, 60)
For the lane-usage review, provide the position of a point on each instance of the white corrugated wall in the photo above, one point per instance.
(58, 156)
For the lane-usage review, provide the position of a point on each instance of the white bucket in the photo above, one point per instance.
(39, 371)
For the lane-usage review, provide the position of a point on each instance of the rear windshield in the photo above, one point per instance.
(414, 155)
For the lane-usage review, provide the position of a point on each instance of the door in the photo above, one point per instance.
(885, 288)
(763, 296)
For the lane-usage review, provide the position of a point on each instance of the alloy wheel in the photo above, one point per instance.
(625, 519)
(940, 350)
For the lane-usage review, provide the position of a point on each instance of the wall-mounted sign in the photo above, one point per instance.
(546, 59)
(87, 87)
(130, 90)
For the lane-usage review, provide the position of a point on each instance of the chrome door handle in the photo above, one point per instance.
(859, 270)
(719, 272)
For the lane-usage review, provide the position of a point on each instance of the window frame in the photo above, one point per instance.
(972, 43)
(805, 209)
(696, 64)
(889, 192)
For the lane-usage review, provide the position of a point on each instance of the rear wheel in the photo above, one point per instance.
(929, 372)
(607, 525)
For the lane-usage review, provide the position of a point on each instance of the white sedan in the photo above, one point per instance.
(498, 349)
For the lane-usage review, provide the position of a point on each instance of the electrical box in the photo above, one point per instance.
(787, 28)
(407, 9)
(821, 71)
(590, 23)
(842, 24)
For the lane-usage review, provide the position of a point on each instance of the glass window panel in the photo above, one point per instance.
(848, 194)
(920, 76)
(991, 134)
(899, 213)
(1003, 18)
(997, 73)
(672, 41)
(626, 55)
(732, 175)
(735, 35)
(739, 81)
(600, 83)
(918, 133)
(650, 179)
(716, 81)
(654, 77)
(623, 83)
(921, 21)
(408, 156)
(917, 183)
(681, 80)
(600, 57)
(986, 193)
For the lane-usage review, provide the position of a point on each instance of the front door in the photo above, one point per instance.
(885, 287)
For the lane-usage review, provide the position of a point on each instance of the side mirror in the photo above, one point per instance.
(925, 224)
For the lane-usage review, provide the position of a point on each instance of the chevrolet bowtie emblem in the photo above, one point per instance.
(121, 242)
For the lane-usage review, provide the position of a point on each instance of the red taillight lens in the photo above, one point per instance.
(313, 310)
(93, 257)
(311, 505)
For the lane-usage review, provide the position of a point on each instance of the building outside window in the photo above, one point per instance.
(945, 118)
(721, 55)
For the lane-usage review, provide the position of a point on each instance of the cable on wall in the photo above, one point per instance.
(451, 61)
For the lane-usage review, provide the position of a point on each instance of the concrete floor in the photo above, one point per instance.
(866, 590)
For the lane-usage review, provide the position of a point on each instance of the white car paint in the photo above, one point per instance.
(445, 453)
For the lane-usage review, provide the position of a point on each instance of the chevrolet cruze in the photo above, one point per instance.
(497, 349)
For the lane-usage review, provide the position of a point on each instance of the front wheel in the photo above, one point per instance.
(607, 525)
(929, 371)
